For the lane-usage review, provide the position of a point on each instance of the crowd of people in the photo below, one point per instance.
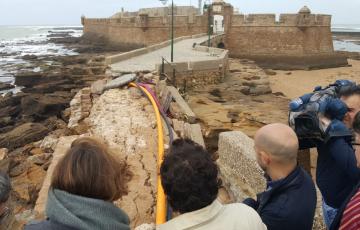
(89, 178)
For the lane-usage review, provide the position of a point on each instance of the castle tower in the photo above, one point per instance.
(304, 17)
(305, 10)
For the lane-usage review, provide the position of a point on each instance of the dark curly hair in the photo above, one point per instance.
(356, 125)
(189, 176)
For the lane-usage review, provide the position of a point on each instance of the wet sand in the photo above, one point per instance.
(296, 83)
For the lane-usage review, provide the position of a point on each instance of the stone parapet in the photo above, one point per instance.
(239, 170)
(284, 20)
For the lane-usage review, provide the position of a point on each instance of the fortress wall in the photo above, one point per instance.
(293, 34)
(152, 30)
(97, 27)
(284, 20)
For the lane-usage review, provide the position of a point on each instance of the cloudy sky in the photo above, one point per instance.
(68, 12)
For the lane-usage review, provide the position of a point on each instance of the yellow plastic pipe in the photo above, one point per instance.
(161, 200)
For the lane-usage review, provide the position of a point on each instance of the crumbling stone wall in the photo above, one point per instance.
(127, 122)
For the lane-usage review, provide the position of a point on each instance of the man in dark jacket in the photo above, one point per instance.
(289, 201)
(348, 214)
(336, 172)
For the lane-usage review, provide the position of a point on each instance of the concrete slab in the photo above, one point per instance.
(184, 107)
(238, 167)
(193, 132)
(60, 150)
(120, 81)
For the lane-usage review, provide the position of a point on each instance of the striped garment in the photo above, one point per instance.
(351, 216)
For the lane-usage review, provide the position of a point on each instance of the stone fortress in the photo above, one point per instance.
(295, 41)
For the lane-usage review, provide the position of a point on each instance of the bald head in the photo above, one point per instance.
(278, 140)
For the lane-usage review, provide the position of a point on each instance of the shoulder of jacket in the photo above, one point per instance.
(239, 207)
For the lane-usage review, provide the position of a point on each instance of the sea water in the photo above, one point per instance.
(348, 44)
(18, 41)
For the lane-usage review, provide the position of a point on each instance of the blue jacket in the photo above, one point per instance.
(287, 204)
(336, 172)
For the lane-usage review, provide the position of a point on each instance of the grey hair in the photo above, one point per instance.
(5, 187)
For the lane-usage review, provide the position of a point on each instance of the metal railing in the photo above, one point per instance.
(174, 71)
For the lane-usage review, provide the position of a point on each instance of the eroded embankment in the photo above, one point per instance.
(127, 122)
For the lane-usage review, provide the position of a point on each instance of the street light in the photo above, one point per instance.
(207, 8)
(172, 26)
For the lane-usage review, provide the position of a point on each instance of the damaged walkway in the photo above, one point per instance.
(126, 121)
(183, 52)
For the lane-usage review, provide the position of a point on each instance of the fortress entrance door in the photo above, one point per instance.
(218, 24)
(221, 13)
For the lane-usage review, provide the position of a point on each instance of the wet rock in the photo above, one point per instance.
(26, 216)
(29, 57)
(43, 106)
(65, 115)
(36, 151)
(10, 100)
(279, 94)
(270, 72)
(80, 71)
(19, 169)
(6, 121)
(10, 111)
(98, 70)
(98, 87)
(5, 165)
(37, 159)
(28, 79)
(26, 186)
(244, 90)
(260, 90)
(53, 123)
(5, 86)
(3, 153)
(22, 135)
(49, 142)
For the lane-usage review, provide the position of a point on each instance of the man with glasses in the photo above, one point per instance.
(337, 172)
(348, 216)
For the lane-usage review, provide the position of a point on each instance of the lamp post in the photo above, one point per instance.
(207, 8)
(172, 27)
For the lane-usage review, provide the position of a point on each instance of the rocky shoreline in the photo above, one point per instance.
(33, 119)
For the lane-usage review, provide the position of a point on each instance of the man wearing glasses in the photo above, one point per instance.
(348, 216)
(337, 172)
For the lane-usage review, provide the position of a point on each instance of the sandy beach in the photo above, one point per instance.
(296, 83)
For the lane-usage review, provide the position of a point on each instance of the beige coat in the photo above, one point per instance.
(217, 217)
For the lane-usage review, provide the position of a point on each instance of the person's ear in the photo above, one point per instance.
(265, 158)
(347, 119)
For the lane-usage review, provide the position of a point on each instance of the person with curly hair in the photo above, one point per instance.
(84, 185)
(191, 182)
